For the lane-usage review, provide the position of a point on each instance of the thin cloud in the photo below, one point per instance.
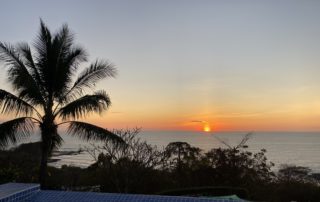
(198, 121)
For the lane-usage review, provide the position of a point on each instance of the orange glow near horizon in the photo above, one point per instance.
(225, 122)
(296, 117)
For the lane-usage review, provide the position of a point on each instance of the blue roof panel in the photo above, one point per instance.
(9, 189)
(64, 196)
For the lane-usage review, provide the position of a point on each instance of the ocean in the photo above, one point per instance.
(293, 148)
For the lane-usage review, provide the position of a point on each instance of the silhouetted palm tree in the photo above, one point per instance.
(46, 92)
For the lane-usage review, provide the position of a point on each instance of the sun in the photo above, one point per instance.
(206, 128)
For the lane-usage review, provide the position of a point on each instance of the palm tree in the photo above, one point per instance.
(47, 95)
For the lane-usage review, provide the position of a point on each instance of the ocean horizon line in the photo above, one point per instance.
(235, 131)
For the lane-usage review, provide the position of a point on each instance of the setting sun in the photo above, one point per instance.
(206, 128)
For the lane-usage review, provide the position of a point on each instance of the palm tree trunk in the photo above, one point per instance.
(43, 163)
(48, 130)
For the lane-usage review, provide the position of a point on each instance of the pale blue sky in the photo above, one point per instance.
(180, 60)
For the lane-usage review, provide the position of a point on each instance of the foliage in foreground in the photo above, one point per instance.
(177, 169)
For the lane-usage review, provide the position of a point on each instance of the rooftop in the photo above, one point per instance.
(18, 192)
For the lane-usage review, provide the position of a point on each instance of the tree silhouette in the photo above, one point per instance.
(47, 95)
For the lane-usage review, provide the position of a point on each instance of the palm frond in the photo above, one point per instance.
(58, 58)
(89, 77)
(41, 45)
(97, 102)
(9, 55)
(19, 76)
(25, 51)
(10, 103)
(14, 130)
(67, 65)
(43, 37)
(43, 55)
(87, 131)
(62, 71)
(63, 40)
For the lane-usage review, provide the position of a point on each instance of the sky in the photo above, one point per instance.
(189, 65)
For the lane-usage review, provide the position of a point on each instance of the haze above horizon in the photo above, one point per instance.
(188, 65)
